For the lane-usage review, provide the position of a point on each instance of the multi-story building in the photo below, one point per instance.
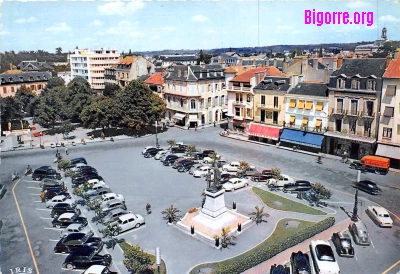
(169, 60)
(194, 95)
(354, 95)
(156, 83)
(12, 80)
(225, 60)
(309, 69)
(131, 68)
(90, 64)
(306, 116)
(389, 115)
(269, 116)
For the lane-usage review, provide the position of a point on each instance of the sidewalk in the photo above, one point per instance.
(283, 257)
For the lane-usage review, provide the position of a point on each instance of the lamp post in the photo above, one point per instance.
(354, 217)
(157, 144)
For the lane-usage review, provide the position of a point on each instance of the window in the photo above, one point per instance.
(209, 102)
(301, 104)
(216, 100)
(353, 107)
(181, 102)
(305, 121)
(352, 126)
(248, 112)
(4, 90)
(319, 106)
(292, 103)
(340, 83)
(309, 105)
(237, 111)
(222, 100)
(355, 84)
(193, 104)
(368, 108)
(339, 105)
(318, 123)
(371, 84)
(239, 97)
(263, 100)
(367, 128)
(248, 98)
(292, 120)
(169, 98)
(202, 103)
(398, 129)
(12, 89)
(390, 90)
(276, 102)
(389, 111)
(387, 132)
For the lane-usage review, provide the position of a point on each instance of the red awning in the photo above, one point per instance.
(264, 131)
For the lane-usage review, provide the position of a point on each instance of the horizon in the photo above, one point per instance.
(150, 26)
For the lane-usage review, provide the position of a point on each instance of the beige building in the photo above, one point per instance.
(12, 80)
(389, 119)
(131, 68)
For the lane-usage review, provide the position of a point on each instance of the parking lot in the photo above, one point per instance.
(143, 181)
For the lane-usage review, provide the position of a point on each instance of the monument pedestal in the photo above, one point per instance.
(214, 205)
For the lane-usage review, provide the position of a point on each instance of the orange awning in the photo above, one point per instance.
(292, 103)
(309, 105)
(264, 131)
(305, 121)
(301, 104)
(318, 123)
(292, 118)
(319, 106)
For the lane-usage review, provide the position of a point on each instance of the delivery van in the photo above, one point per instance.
(379, 165)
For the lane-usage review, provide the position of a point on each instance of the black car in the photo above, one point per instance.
(51, 192)
(170, 159)
(300, 263)
(85, 257)
(90, 176)
(85, 168)
(279, 269)
(61, 208)
(204, 153)
(185, 166)
(262, 177)
(368, 186)
(65, 219)
(53, 175)
(297, 186)
(179, 162)
(225, 178)
(178, 149)
(87, 171)
(78, 240)
(42, 172)
(78, 160)
(342, 242)
(151, 152)
(51, 183)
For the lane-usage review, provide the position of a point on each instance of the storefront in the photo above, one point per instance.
(179, 119)
(193, 120)
(354, 147)
(390, 151)
(264, 133)
(301, 140)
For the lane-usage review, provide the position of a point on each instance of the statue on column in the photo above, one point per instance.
(216, 186)
(383, 36)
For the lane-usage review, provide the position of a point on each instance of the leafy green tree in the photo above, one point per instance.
(51, 107)
(58, 50)
(171, 214)
(136, 260)
(258, 215)
(23, 97)
(111, 89)
(80, 95)
(388, 47)
(320, 52)
(110, 231)
(55, 82)
(67, 128)
(10, 109)
(100, 113)
(203, 58)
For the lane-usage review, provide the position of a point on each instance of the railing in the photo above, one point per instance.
(352, 112)
(307, 128)
(367, 114)
(338, 111)
(236, 88)
(269, 106)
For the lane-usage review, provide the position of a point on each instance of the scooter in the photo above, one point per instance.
(14, 176)
(28, 171)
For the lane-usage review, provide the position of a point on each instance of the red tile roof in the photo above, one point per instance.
(393, 70)
(246, 76)
(156, 79)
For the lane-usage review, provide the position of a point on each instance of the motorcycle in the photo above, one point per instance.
(28, 171)
(14, 176)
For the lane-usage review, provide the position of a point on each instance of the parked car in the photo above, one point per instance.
(178, 149)
(185, 166)
(170, 159)
(85, 257)
(78, 160)
(235, 183)
(209, 160)
(92, 182)
(129, 221)
(41, 172)
(66, 219)
(220, 163)
(281, 182)
(86, 169)
(112, 215)
(98, 269)
(151, 152)
(204, 153)
(262, 177)
(61, 208)
(248, 172)
(368, 186)
(360, 233)
(52, 192)
(160, 153)
(279, 269)
(99, 193)
(194, 168)
(77, 181)
(53, 175)
(58, 199)
(164, 157)
(232, 167)
(78, 240)
(342, 242)
(323, 257)
(76, 168)
(75, 228)
(379, 165)
(179, 162)
(112, 197)
(92, 176)
(380, 216)
(225, 177)
(300, 263)
(300, 185)
(51, 183)
(202, 171)
(146, 148)
(94, 189)
(3, 190)
(110, 205)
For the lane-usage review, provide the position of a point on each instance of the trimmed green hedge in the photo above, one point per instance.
(260, 254)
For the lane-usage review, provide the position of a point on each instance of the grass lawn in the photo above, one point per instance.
(163, 269)
(280, 234)
(278, 202)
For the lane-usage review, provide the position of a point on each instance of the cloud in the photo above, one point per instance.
(389, 18)
(96, 23)
(255, 26)
(24, 20)
(200, 18)
(125, 28)
(297, 32)
(3, 31)
(168, 28)
(357, 4)
(120, 8)
(283, 28)
(60, 27)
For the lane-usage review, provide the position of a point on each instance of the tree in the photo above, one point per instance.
(111, 89)
(320, 52)
(100, 113)
(10, 109)
(171, 142)
(243, 165)
(203, 58)
(109, 232)
(226, 239)
(258, 215)
(51, 106)
(171, 214)
(58, 50)
(55, 82)
(214, 156)
(321, 191)
(66, 127)
(388, 47)
(277, 173)
(79, 96)
(190, 149)
(23, 97)
(136, 260)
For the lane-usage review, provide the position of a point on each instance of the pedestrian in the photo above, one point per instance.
(195, 128)
(148, 208)
(188, 127)
(66, 150)
(42, 196)
(214, 123)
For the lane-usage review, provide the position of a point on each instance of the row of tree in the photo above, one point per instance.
(131, 107)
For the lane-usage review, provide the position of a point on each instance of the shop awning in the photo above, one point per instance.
(319, 106)
(388, 151)
(292, 103)
(193, 117)
(300, 104)
(305, 121)
(388, 111)
(318, 123)
(309, 105)
(292, 118)
(179, 116)
(264, 131)
(390, 90)
(301, 138)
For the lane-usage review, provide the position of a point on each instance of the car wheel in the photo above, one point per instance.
(70, 266)
(246, 185)
(58, 226)
(137, 225)
(206, 162)
(50, 206)
(115, 233)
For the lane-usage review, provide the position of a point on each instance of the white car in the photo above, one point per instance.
(380, 216)
(96, 187)
(208, 159)
(286, 179)
(235, 183)
(77, 167)
(146, 148)
(160, 154)
(129, 221)
(58, 199)
(323, 258)
(75, 228)
(232, 167)
(113, 204)
(112, 197)
(52, 145)
(93, 182)
(97, 269)
(202, 171)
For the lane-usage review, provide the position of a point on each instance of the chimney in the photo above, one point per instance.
(285, 66)
(275, 63)
(396, 54)
(303, 66)
(315, 63)
(294, 80)
(388, 60)
(339, 61)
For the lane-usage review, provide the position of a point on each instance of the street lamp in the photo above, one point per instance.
(157, 144)
(354, 217)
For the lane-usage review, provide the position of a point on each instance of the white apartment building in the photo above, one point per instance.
(90, 64)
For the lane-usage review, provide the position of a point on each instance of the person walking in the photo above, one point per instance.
(42, 196)
(66, 150)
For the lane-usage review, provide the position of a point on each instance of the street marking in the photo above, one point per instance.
(76, 270)
(52, 228)
(390, 268)
(53, 240)
(372, 243)
(34, 194)
(23, 225)
(44, 209)
(37, 201)
(45, 218)
(355, 256)
(33, 187)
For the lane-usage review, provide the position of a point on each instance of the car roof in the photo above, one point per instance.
(95, 269)
(44, 168)
(235, 163)
(62, 205)
(76, 235)
(379, 210)
(127, 216)
(77, 159)
(360, 225)
(344, 235)
(66, 215)
(82, 251)
(59, 197)
(73, 226)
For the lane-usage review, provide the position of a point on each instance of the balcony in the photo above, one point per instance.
(236, 88)
(304, 128)
(367, 114)
(184, 108)
(352, 112)
(269, 107)
(242, 104)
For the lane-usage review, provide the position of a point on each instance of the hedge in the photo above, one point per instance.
(258, 255)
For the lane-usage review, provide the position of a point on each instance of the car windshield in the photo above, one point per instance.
(346, 243)
(385, 215)
(324, 253)
(84, 239)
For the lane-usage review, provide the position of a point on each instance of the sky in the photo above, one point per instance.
(192, 24)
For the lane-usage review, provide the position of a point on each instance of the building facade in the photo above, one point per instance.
(11, 81)
(156, 83)
(90, 64)
(194, 95)
(389, 118)
(131, 68)
(354, 99)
